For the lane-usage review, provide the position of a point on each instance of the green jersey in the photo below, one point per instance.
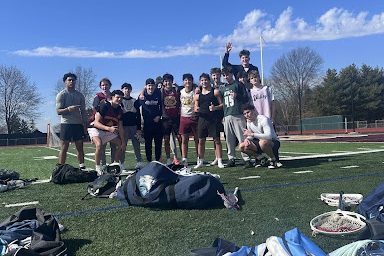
(231, 105)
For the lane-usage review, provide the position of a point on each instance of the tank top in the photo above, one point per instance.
(170, 103)
(187, 103)
(205, 101)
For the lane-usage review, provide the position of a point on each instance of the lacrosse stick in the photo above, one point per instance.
(348, 199)
(230, 200)
(338, 222)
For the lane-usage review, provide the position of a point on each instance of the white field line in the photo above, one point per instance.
(22, 204)
(249, 177)
(349, 166)
(71, 154)
(286, 157)
(295, 153)
(332, 155)
(341, 151)
(300, 172)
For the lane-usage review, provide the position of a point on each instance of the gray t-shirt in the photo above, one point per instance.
(67, 98)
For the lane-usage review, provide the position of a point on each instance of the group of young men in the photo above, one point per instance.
(240, 107)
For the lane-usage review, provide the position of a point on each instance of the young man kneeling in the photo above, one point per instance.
(260, 137)
(108, 127)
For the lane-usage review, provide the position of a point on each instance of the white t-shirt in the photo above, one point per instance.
(262, 128)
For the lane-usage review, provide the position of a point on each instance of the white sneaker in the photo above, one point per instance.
(214, 162)
(220, 164)
(139, 165)
(99, 170)
(199, 164)
(169, 161)
(184, 162)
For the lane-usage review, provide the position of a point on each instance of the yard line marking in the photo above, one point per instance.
(341, 151)
(71, 154)
(364, 148)
(330, 155)
(21, 204)
(297, 153)
(44, 157)
(349, 166)
(299, 172)
(40, 181)
(249, 177)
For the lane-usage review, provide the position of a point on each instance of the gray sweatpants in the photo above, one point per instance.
(233, 128)
(129, 133)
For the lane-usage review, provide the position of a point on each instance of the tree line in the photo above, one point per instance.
(301, 90)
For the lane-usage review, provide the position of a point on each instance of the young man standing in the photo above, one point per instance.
(188, 118)
(171, 116)
(101, 97)
(152, 112)
(260, 137)
(262, 96)
(207, 102)
(70, 105)
(131, 124)
(244, 61)
(108, 127)
(217, 84)
(234, 123)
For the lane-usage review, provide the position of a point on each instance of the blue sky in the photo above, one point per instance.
(129, 41)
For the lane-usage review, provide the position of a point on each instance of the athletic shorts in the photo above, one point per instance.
(72, 132)
(187, 125)
(275, 148)
(207, 128)
(170, 125)
(104, 136)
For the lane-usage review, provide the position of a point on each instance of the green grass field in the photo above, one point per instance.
(278, 201)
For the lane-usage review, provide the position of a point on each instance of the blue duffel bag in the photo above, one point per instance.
(156, 185)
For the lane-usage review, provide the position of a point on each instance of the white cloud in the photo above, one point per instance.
(334, 24)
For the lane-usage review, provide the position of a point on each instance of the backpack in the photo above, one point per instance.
(66, 174)
(103, 186)
(44, 232)
(372, 206)
(6, 175)
(156, 185)
(292, 243)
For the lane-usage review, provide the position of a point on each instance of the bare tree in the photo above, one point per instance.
(86, 84)
(18, 97)
(292, 76)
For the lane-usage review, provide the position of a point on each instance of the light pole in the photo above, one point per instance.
(300, 114)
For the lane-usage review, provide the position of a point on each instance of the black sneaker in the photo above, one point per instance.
(247, 164)
(231, 163)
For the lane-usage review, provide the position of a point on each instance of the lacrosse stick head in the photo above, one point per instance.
(230, 200)
(338, 223)
(334, 199)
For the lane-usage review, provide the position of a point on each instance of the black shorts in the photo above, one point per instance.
(72, 132)
(207, 128)
(171, 125)
(275, 148)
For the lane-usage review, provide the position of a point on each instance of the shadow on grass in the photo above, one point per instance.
(73, 245)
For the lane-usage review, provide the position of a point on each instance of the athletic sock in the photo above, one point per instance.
(82, 166)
